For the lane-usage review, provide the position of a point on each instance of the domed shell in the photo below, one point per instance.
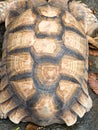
(44, 67)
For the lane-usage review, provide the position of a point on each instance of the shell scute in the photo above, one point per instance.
(72, 67)
(3, 70)
(48, 27)
(47, 46)
(66, 90)
(4, 82)
(24, 39)
(5, 95)
(18, 114)
(20, 63)
(85, 101)
(9, 105)
(79, 110)
(27, 18)
(69, 117)
(69, 20)
(49, 11)
(45, 107)
(46, 72)
(72, 40)
(25, 88)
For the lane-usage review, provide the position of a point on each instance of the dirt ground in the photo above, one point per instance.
(90, 120)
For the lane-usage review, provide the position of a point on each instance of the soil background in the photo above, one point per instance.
(90, 120)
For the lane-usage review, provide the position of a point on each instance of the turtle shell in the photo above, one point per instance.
(44, 67)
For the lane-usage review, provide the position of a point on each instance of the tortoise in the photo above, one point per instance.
(44, 65)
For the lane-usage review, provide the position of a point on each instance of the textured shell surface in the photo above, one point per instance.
(44, 66)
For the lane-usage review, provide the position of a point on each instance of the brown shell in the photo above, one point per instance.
(93, 81)
(44, 67)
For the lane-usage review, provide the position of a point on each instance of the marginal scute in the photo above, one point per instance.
(84, 87)
(48, 11)
(8, 105)
(69, 117)
(66, 90)
(48, 73)
(48, 26)
(75, 42)
(20, 63)
(3, 70)
(79, 109)
(86, 76)
(4, 42)
(45, 107)
(85, 101)
(27, 119)
(2, 115)
(17, 115)
(87, 62)
(46, 46)
(23, 39)
(4, 82)
(72, 67)
(5, 95)
(3, 54)
(25, 88)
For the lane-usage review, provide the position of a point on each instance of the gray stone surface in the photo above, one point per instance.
(89, 121)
